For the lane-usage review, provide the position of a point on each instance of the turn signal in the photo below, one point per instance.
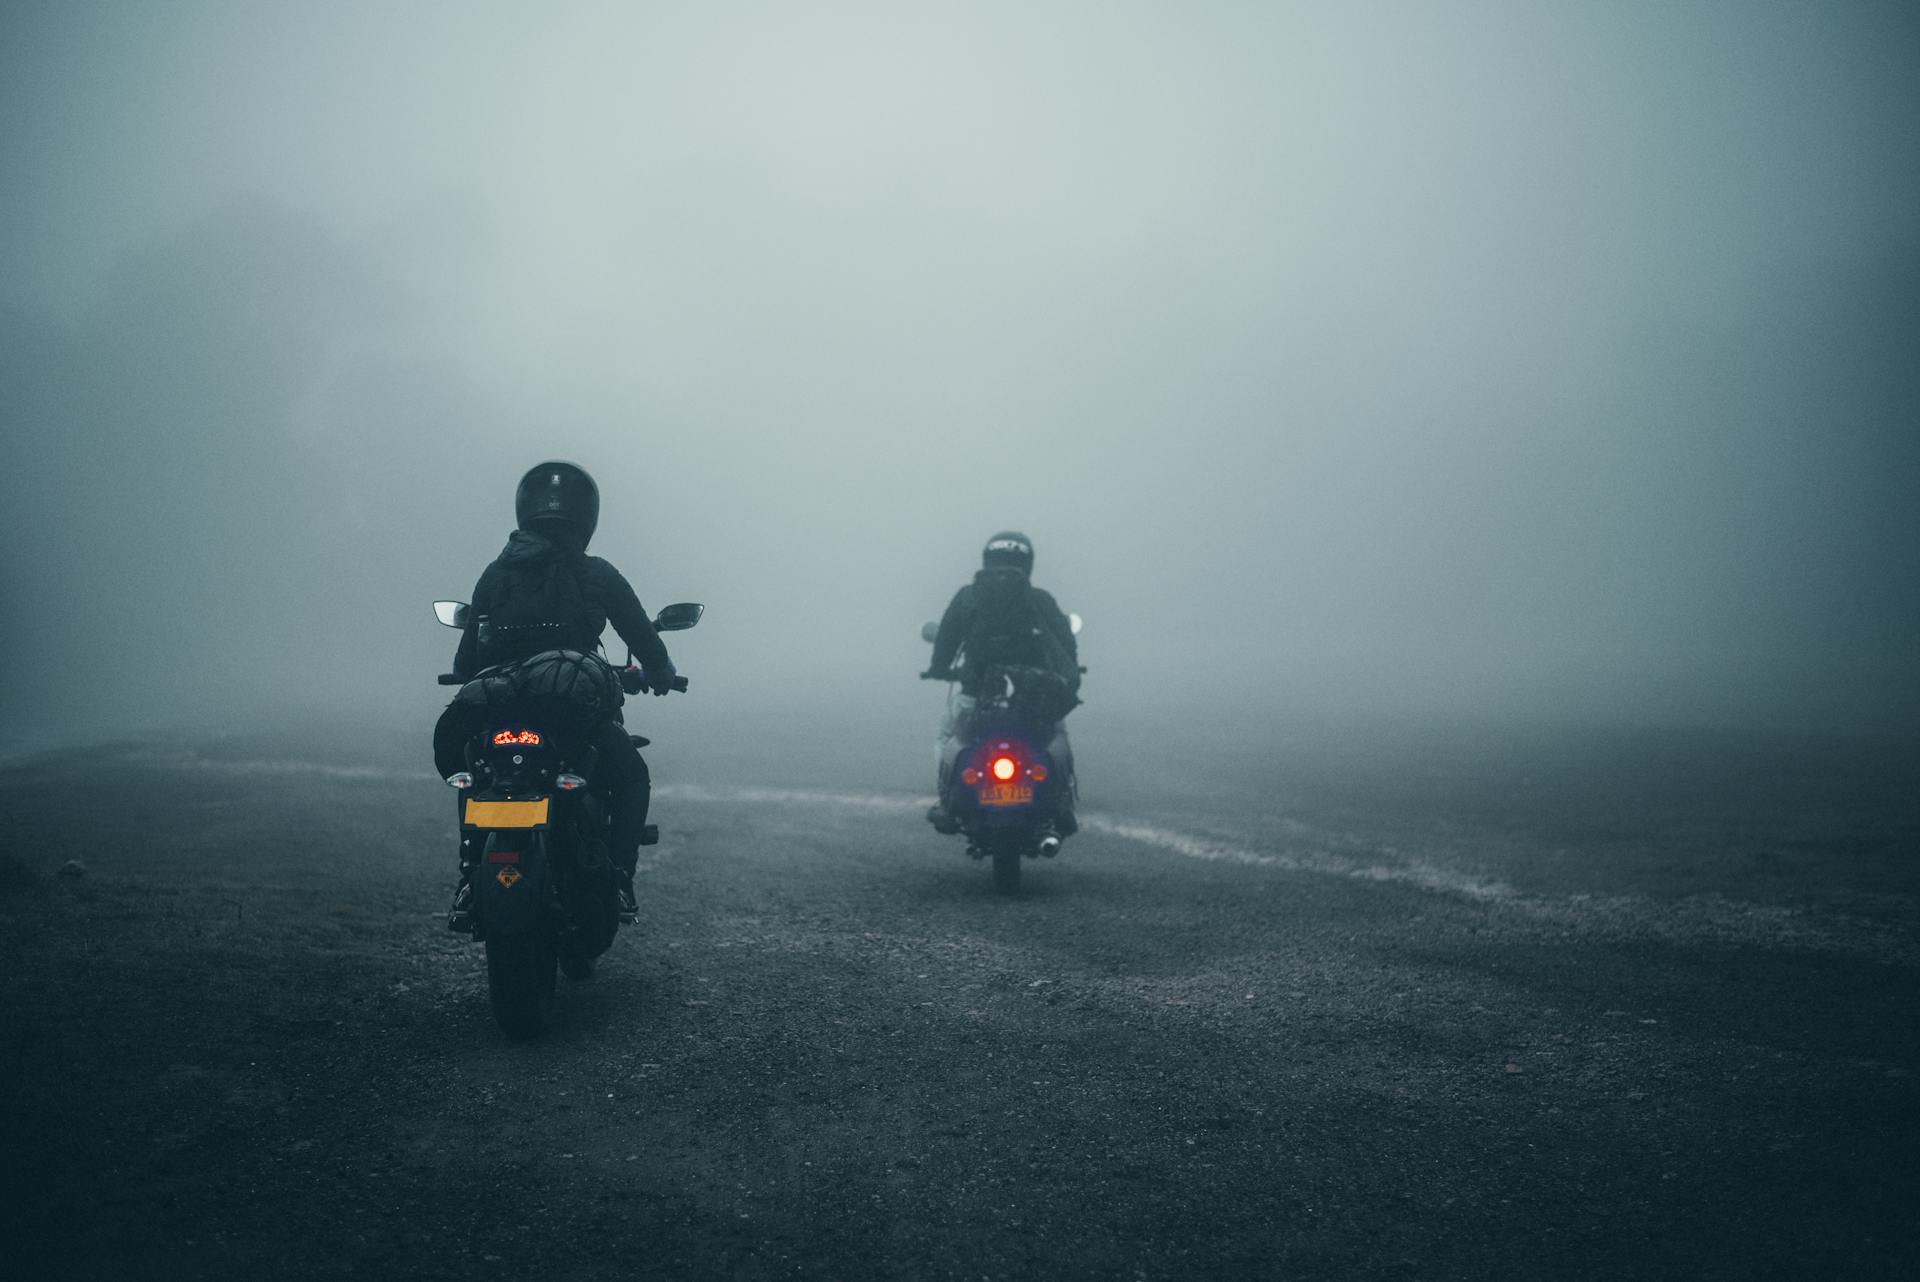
(569, 782)
(1037, 772)
(1003, 768)
(460, 780)
(970, 776)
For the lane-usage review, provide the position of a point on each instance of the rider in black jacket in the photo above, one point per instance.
(543, 592)
(1043, 636)
(1007, 550)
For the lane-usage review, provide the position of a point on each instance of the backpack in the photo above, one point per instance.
(1004, 629)
(538, 605)
(567, 687)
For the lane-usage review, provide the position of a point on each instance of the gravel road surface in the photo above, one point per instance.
(1407, 1006)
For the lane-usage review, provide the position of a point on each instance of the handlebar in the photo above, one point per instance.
(954, 674)
(633, 679)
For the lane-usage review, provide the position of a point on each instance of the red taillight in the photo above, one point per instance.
(1003, 768)
(504, 738)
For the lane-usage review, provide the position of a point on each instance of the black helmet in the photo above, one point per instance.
(558, 492)
(1009, 547)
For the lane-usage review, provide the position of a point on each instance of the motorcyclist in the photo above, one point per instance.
(543, 592)
(1001, 617)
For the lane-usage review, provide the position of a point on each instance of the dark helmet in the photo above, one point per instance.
(1009, 547)
(560, 492)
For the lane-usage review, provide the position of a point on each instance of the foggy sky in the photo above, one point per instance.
(1539, 360)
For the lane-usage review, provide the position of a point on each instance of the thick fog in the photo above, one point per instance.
(1505, 358)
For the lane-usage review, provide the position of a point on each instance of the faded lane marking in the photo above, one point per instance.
(1424, 876)
(1692, 919)
(1689, 920)
(788, 796)
(1414, 873)
(317, 769)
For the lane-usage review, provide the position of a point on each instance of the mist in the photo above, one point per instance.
(1487, 359)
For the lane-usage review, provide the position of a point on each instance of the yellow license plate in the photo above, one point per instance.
(1006, 794)
(506, 814)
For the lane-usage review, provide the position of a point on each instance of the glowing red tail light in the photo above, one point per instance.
(1003, 768)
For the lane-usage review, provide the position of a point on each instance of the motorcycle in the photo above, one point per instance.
(533, 824)
(1006, 777)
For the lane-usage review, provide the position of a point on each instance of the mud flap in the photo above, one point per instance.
(510, 885)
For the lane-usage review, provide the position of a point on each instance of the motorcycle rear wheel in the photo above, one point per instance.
(520, 980)
(1006, 868)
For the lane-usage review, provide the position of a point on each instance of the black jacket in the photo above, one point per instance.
(958, 622)
(609, 599)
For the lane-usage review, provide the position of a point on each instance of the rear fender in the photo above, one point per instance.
(513, 882)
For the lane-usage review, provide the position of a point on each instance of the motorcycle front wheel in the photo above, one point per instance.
(520, 980)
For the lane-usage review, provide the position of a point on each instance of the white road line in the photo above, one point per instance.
(1424, 876)
(1688, 920)
(787, 796)
(1414, 873)
(1691, 919)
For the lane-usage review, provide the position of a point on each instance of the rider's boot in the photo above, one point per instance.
(1064, 821)
(942, 819)
(460, 912)
(626, 905)
(1059, 828)
(630, 831)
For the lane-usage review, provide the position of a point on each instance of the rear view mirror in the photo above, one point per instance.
(929, 632)
(679, 617)
(451, 613)
(1073, 623)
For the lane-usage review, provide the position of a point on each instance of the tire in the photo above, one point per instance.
(1006, 868)
(574, 966)
(520, 981)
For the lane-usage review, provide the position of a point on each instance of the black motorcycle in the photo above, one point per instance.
(534, 824)
(1006, 773)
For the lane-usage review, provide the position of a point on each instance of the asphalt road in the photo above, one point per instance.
(1449, 1004)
